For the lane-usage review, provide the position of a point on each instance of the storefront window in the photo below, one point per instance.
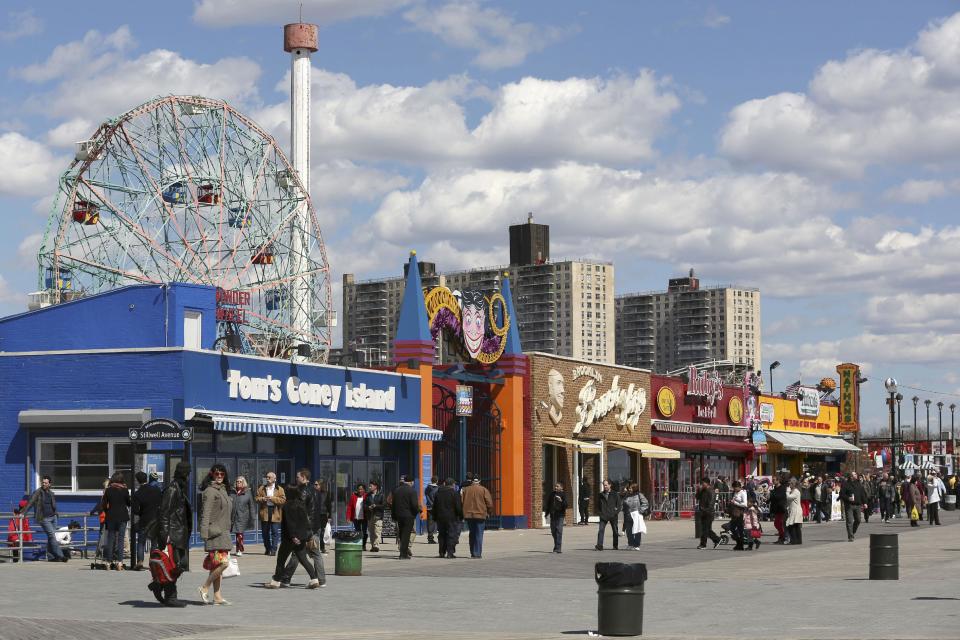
(373, 447)
(324, 447)
(229, 442)
(350, 447)
(82, 464)
(618, 468)
(56, 461)
(93, 465)
(202, 440)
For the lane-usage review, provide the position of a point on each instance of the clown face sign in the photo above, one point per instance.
(475, 323)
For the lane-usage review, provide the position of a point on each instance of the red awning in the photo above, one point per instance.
(706, 446)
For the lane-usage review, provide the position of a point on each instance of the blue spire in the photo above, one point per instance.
(412, 323)
(513, 336)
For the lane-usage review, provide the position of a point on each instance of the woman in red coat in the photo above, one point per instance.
(19, 528)
(355, 512)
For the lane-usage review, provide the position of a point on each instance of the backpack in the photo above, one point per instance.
(162, 567)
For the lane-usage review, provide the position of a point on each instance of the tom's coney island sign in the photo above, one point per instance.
(707, 389)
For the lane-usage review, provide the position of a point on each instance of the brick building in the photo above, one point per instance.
(590, 421)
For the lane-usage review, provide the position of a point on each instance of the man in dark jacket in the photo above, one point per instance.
(555, 506)
(44, 501)
(448, 512)
(322, 507)
(869, 495)
(406, 507)
(853, 498)
(584, 501)
(608, 507)
(705, 514)
(778, 508)
(145, 505)
(429, 492)
(373, 505)
(309, 497)
(175, 521)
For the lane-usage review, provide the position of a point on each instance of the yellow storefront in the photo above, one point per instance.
(802, 432)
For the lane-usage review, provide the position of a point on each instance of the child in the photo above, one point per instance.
(751, 525)
(19, 526)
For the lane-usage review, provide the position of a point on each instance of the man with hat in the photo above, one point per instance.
(477, 506)
(405, 507)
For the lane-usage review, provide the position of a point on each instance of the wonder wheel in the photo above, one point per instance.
(186, 189)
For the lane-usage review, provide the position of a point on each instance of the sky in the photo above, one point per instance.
(804, 148)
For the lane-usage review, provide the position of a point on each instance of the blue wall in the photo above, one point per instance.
(78, 381)
(137, 316)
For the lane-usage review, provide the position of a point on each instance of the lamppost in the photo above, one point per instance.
(927, 402)
(891, 385)
(915, 401)
(939, 426)
(899, 435)
(953, 443)
(773, 365)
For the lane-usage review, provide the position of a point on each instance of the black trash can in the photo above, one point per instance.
(884, 556)
(620, 598)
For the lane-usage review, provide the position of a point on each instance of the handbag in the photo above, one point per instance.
(233, 568)
(756, 534)
(327, 534)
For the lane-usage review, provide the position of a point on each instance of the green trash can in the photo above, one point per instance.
(620, 598)
(348, 557)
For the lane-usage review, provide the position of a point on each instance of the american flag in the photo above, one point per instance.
(792, 388)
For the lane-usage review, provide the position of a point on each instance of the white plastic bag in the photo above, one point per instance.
(233, 568)
(327, 534)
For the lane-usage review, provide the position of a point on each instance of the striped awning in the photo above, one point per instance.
(674, 426)
(278, 425)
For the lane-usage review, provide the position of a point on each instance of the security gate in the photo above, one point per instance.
(483, 434)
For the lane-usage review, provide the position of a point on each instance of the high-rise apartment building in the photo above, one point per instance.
(687, 324)
(564, 308)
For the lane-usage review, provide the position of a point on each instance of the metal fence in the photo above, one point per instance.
(25, 541)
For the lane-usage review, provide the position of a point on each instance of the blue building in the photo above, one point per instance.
(75, 377)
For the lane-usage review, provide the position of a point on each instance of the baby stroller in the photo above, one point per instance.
(98, 562)
(725, 533)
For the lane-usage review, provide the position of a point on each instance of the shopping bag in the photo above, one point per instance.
(639, 526)
(914, 514)
(233, 568)
(327, 534)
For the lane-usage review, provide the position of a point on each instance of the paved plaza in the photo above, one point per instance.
(521, 590)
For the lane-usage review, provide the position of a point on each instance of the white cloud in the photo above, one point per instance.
(342, 181)
(913, 312)
(901, 349)
(531, 122)
(874, 107)
(916, 191)
(87, 56)
(66, 134)
(714, 19)
(28, 249)
(230, 13)
(9, 295)
(27, 167)
(497, 38)
(20, 24)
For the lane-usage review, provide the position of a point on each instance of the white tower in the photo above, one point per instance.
(300, 40)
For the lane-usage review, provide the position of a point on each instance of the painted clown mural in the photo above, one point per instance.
(474, 323)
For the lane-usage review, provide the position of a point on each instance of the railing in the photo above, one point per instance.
(82, 539)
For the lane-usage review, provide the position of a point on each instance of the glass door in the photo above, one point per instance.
(390, 476)
(343, 488)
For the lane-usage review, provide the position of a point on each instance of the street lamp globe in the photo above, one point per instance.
(891, 385)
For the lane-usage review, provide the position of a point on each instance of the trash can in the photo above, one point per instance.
(620, 598)
(884, 556)
(348, 554)
(950, 502)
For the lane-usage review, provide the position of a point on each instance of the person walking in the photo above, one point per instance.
(705, 514)
(322, 508)
(584, 500)
(778, 508)
(310, 538)
(174, 525)
(477, 507)
(44, 503)
(794, 513)
(215, 532)
(428, 493)
(935, 492)
(634, 506)
(296, 533)
(115, 504)
(609, 505)
(270, 498)
(826, 499)
(738, 505)
(886, 494)
(356, 514)
(373, 505)
(448, 510)
(244, 515)
(816, 498)
(912, 500)
(751, 524)
(555, 508)
(145, 505)
(405, 506)
(853, 497)
(869, 496)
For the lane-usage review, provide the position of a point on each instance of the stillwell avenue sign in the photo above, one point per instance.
(161, 429)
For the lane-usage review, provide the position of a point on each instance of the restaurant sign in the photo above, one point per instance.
(707, 388)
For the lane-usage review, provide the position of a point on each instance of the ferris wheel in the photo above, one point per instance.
(186, 189)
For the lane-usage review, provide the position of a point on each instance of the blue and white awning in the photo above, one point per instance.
(279, 425)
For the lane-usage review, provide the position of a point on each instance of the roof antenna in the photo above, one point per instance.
(301, 12)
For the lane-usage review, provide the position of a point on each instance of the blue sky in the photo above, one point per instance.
(804, 148)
